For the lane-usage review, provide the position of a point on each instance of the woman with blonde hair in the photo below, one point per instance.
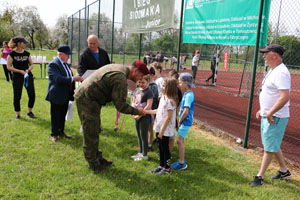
(20, 64)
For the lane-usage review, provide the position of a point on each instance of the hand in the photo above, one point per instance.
(27, 71)
(141, 112)
(257, 114)
(136, 117)
(269, 118)
(23, 72)
(160, 135)
(77, 78)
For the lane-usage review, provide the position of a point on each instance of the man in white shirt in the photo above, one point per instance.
(274, 111)
(195, 63)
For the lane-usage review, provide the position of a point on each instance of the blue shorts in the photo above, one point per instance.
(182, 131)
(272, 135)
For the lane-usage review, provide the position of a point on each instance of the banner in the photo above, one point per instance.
(142, 16)
(229, 22)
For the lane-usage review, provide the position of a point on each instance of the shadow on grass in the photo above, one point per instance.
(202, 179)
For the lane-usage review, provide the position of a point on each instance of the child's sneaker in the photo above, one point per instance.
(157, 169)
(179, 166)
(282, 175)
(258, 181)
(141, 158)
(137, 155)
(164, 171)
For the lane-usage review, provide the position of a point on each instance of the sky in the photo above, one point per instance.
(51, 10)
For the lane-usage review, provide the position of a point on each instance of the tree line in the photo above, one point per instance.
(27, 22)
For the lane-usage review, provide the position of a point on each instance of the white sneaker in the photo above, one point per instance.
(141, 158)
(137, 155)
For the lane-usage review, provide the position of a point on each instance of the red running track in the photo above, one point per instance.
(220, 107)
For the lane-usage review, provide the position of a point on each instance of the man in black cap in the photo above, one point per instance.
(274, 111)
(60, 90)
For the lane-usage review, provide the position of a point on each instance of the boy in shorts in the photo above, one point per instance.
(186, 113)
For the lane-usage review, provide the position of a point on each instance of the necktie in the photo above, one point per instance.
(67, 69)
(69, 74)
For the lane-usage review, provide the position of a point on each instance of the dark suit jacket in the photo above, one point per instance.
(60, 89)
(88, 61)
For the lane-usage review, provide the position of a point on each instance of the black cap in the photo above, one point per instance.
(20, 39)
(64, 49)
(274, 48)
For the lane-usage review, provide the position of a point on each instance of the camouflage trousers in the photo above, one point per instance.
(89, 114)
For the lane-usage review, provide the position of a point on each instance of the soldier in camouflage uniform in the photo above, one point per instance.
(107, 84)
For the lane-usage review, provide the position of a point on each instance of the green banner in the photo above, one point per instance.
(142, 16)
(229, 22)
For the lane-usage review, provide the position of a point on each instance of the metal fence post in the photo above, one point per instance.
(98, 24)
(71, 43)
(277, 28)
(79, 35)
(140, 46)
(180, 34)
(253, 74)
(87, 22)
(112, 32)
(245, 63)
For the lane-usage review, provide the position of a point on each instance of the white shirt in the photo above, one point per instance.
(159, 83)
(67, 69)
(165, 104)
(276, 79)
(195, 61)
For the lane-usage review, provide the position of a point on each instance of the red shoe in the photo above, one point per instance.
(149, 149)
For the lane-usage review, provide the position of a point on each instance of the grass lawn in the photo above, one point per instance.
(33, 167)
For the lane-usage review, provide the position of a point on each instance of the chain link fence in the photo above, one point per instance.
(228, 99)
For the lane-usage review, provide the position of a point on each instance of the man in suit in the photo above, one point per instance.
(92, 57)
(60, 90)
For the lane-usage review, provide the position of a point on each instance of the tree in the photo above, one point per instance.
(7, 29)
(29, 22)
(59, 34)
(291, 45)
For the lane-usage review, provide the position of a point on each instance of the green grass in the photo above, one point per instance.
(33, 167)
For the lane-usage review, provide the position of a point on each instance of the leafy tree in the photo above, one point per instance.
(7, 29)
(29, 22)
(59, 34)
(292, 49)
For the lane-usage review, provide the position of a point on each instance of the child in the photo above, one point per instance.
(165, 123)
(174, 74)
(185, 116)
(153, 87)
(142, 98)
(159, 78)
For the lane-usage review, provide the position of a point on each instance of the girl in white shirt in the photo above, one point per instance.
(165, 123)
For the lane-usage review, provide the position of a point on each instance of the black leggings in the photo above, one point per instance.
(7, 73)
(164, 152)
(17, 81)
(194, 69)
(142, 126)
(212, 76)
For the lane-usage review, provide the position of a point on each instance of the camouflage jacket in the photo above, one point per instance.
(109, 83)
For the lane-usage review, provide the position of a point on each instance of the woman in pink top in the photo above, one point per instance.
(4, 53)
